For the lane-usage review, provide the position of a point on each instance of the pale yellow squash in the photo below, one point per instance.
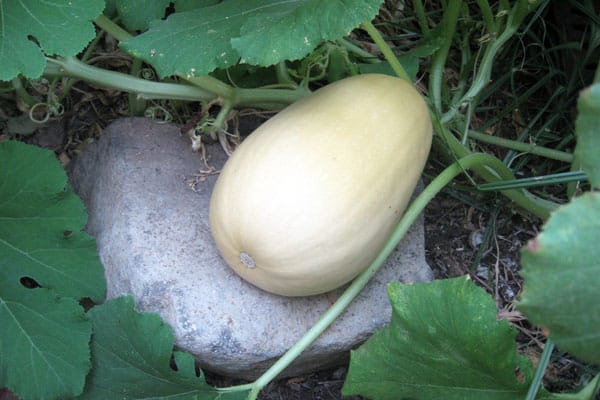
(307, 201)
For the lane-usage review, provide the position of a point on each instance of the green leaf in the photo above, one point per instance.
(443, 342)
(137, 14)
(218, 36)
(588, 133)
(40, 225)
(289, 30)
(44, 351)
(131, 355)
(561, 270)
(44, 338)
(59, 27)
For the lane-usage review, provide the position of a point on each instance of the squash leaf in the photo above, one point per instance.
(41, 222)
(57, 27)
(131, 355)
(443, 342)
(259, 32)
(587, 127)
(561, 266)
(137, 14)
(44, 351)
(44, 337)
(561, 270)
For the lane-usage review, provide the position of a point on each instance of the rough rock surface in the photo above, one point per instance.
(147, 195)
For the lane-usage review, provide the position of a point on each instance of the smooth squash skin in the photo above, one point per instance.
(308, 200)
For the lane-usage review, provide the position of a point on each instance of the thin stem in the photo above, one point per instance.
(22, 92)
(552, 179)
(112, 29)
(539, 207)
(136, 105)
(421, 16)
(539, 372)
(522, 147)
(223, 114)
(385, 49)
(363, 54)
(436, 75)
(488, 16)
(516, 16)
(283, 77)
(411, 214)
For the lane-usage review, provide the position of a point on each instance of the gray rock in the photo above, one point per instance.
(148, 208)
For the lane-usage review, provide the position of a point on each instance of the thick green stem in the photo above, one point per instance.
(86, 56)
(436, 75)
(207, 89)
(385, 49)
(207, 82)
(272, 99)
(74, 68)
(488, 16)
(411, 214)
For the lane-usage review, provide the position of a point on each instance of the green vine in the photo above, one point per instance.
(409, 217)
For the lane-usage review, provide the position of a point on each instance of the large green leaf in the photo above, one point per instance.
(41, 225)
(58, 27)
(131, 355)
(561, 269)
(588, 132)
(294, 28)
(44, 337)
(137, 14)
(44, 351)
(443, 342)
(260, 32)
